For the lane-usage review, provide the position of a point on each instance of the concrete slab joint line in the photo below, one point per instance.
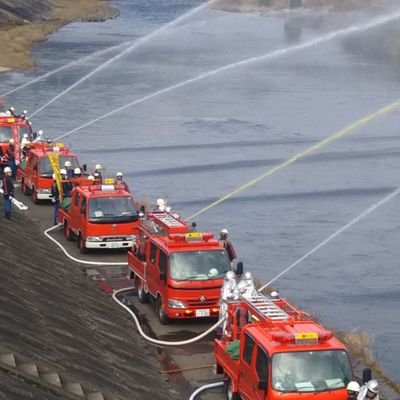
(95, 396)
(8, 359)
(52, 378)
(75, 388)
(30, 369)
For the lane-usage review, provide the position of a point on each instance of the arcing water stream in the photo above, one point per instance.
(265, 57)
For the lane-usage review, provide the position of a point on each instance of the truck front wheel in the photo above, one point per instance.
(229, 393)
(24, 188)
(162, 314)
(143, 297)
(68, 233)
(34, 195)
(81, 244)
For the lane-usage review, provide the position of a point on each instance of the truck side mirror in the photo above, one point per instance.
(84, 167)
(163, 276)
(262, 384)
(239, 268)
(366, 375)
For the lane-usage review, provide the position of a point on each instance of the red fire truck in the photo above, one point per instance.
(270, 350)
(36, 172)
(12, 128)
(100, 217)
(181, 271)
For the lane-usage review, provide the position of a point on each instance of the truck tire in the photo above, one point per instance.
(34, 195)
(69, 235)
(143, 297)
(229, 394)
(24, 188)
(160, 310)
(81, 244)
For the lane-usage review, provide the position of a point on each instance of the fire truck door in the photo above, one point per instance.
(152, 277)
(253, 379)
(246, 371)
(34, 167)
(75, 212)
(261, 373)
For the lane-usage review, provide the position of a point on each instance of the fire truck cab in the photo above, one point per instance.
(181, 271)
(270, 350)
(12, 128)
(100, 217)
(36, 172)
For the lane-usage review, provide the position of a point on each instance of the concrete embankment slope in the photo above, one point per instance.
(25, 22)
(52, 316)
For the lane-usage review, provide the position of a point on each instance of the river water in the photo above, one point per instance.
(207, 138)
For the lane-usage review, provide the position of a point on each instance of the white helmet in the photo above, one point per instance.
(40, 133)
(11, 141)
(63, 171)
(7, 169)
(77, 171)
(372, 386)
(91, 177)
(99, 166)
(160, 202)
(67, 164)
(230, 275)
(248, 275)
(54, 176)
(119, 175)
(25, 112)
(224, 232)
(353, 386)
(25, 135)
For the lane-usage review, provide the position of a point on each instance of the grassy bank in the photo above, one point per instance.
(26, 26)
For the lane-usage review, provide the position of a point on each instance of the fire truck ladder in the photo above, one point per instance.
(168, 220)
(268, 308)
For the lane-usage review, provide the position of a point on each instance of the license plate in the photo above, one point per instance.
(114, 246)
(203, 313)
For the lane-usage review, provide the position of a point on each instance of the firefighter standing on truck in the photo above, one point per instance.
(227, 245)
(8, 191)
(119, 180)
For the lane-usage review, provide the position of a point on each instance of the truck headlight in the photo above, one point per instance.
(176, 304)
(94, 239)
(44, 191)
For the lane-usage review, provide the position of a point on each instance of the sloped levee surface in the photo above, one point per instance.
(53, 316)
(19, 10)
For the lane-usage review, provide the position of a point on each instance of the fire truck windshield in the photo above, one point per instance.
(5, 133)
(311, 371)
(46, 170)
(112, 209)
(198, 265)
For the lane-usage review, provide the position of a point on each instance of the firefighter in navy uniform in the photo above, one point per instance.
(98, 173)
(55, 198)
(119, 180)
(227, 245)
(8, 191)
